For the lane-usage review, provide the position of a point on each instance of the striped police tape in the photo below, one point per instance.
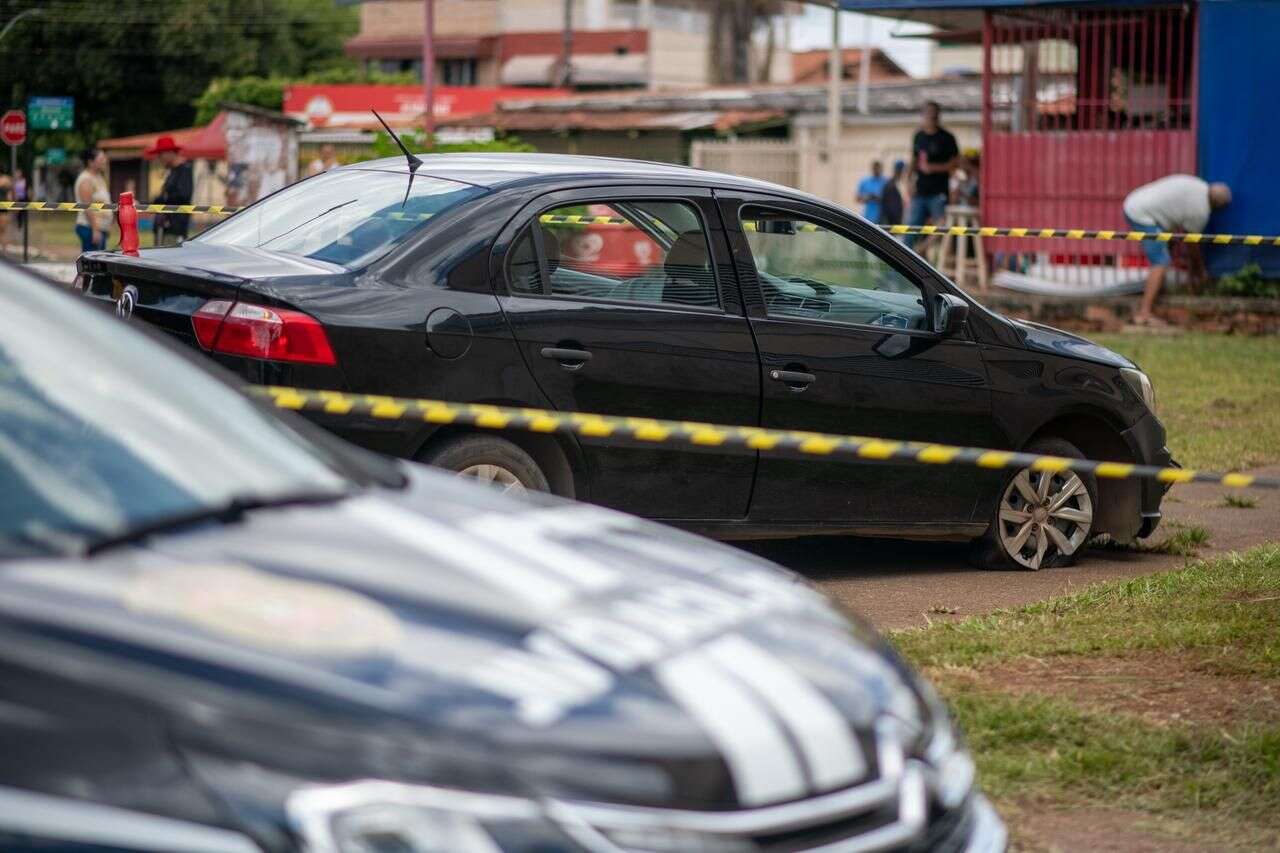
(694, 434)
(572, 219)
(1082, 234)
(75, 206)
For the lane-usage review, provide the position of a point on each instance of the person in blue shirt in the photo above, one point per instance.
(869, 189)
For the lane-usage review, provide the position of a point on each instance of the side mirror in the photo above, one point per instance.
(950, 314)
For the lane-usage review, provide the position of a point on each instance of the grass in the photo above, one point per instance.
(1184, 541)
(1218, 395)
(1214, 619)
(1193, 608)
(1239, 501)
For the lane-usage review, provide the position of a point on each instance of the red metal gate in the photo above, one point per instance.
(1080, 106)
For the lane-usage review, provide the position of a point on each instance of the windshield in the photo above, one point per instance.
(103, 430)
(349, 217)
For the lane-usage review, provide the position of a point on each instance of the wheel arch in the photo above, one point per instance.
(551, 452)
(1097, 436)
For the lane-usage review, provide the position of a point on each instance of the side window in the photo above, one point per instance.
(522, 266)
(633, 251)
(807, 270)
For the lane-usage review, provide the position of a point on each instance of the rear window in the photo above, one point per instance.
(349, 217)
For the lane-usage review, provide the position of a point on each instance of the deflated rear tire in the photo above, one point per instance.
(1043, 518)
(489, 459)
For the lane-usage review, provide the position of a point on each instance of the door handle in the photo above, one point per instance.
(570, 359)
(796, 380)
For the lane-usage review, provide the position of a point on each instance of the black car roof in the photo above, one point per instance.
(497, 170)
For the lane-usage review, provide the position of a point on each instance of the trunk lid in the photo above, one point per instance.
(164, 287)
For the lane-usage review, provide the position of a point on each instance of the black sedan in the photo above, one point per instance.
(638, 289)
(223, 631)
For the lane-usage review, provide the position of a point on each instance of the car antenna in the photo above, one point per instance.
(414, 162)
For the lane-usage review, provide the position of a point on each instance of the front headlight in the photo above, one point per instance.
(388, 817)
(1140, 384)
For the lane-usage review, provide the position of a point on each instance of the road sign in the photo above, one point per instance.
(55, 156)
(13, 127)
(51, 113)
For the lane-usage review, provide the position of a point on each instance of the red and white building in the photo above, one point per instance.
(650, 44)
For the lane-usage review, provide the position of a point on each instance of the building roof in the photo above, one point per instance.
(810, 66)
(889, 96)
(964, 14)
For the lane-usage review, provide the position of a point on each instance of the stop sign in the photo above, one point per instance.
(13, 127)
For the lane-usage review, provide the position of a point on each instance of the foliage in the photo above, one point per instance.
(383, 146)
(137, 65)
(1247, 281)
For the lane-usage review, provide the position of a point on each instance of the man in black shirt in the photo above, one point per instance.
(179, 186)
(891, 197)
(934, 154)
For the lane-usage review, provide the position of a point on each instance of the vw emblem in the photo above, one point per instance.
(127, 302)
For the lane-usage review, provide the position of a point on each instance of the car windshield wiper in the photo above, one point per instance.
(227, 512)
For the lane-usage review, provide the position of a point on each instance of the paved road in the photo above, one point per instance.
(903, 584)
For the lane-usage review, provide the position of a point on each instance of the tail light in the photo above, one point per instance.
(276, 334)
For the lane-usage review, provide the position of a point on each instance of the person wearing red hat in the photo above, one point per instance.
(179, 185)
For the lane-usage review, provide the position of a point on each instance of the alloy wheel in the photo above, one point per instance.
(506, 481)
(1044, 514)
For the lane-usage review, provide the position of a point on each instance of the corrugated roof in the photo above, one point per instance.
(810, 66)
(883, 97)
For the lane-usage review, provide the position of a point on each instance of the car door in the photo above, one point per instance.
(841, 314)
(622, 302)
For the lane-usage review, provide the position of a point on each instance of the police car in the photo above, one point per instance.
(223, 630)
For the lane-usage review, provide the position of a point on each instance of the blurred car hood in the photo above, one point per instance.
(443, 633)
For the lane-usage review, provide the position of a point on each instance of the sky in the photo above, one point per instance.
(813, 29)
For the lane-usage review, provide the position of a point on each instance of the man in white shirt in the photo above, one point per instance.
(1174, 203)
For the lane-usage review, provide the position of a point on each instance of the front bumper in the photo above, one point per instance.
(989, 834)
(1146, 440)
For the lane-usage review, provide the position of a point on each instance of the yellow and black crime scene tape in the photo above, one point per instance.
(572, 219)
(75, 206)
(694, 434)
(1082, 234)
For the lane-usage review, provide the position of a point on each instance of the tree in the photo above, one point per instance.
(734, 24)
(139, 65)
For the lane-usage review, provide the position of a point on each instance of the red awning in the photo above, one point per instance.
(197, 143)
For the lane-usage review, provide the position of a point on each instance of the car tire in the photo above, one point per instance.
(1048, 532)
(491, 459)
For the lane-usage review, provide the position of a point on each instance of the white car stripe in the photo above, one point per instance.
(463, 552)
(65, 820)
(760, 758)
(830, 751)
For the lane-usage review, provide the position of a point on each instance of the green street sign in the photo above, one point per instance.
(51, 113)
(55, 156)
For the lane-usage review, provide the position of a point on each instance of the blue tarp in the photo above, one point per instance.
(1239, 127)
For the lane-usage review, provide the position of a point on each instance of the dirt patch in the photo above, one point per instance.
(1159, 687)
(1055, 830)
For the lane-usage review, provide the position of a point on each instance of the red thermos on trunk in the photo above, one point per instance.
(127, 218)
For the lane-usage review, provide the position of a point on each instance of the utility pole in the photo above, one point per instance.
(864, 69)
(566, 47)
(429, 70)
(835, 71)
